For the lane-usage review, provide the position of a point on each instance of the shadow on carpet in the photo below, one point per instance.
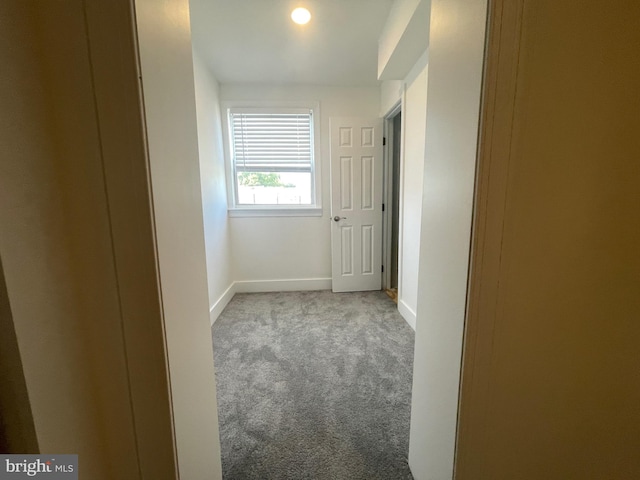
(313, 385)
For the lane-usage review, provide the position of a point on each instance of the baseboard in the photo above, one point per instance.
(255, 286)
(407, 313)
(225, 298)
(293, 285)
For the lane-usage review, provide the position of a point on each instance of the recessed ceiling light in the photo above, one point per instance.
(301, 16)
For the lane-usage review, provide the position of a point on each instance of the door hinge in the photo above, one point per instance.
(383, 207)
(384, 140)
(382, 268)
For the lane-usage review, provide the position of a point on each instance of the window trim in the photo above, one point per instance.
(237, 210)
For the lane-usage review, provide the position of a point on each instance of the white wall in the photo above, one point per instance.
(403, 38)
(456, 50)
(414, 119)
(395, 25)
(289, 248)
(390, 94)
(168, 81)
(214, 187)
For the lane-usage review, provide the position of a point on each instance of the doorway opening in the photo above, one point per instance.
(392, 156)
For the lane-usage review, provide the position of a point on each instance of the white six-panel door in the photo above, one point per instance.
(356, 203)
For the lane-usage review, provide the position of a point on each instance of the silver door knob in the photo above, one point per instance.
(337, 218)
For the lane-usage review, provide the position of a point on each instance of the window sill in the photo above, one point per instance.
(275, 212)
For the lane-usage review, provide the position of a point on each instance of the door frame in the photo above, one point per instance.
(387, 190)
(141, 203)
(493, 164)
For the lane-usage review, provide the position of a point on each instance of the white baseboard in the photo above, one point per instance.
(255, 286)
(225, 298)
(407, 313)
(293, 285)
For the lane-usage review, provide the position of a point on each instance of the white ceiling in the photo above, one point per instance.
(255, 41)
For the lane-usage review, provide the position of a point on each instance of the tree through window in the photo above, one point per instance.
(272, 154)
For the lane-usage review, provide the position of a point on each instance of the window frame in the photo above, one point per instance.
(237, 210)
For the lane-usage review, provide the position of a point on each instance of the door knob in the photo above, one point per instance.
(338, 218)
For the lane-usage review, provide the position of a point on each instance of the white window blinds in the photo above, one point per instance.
(272, 142)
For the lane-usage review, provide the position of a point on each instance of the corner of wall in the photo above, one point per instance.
(407, 313)
(390, 95)
(213, 186)
(216, 309)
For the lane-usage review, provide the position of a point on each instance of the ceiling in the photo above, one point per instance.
(255, 41)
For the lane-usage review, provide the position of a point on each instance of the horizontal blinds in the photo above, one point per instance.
(270, 142)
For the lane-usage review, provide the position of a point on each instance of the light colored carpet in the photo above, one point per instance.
(313, 385)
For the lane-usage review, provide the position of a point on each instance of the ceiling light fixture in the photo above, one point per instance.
(301, 16)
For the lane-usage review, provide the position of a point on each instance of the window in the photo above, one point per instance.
(272, 155)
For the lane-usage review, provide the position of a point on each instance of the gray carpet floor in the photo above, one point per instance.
(313, 385)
